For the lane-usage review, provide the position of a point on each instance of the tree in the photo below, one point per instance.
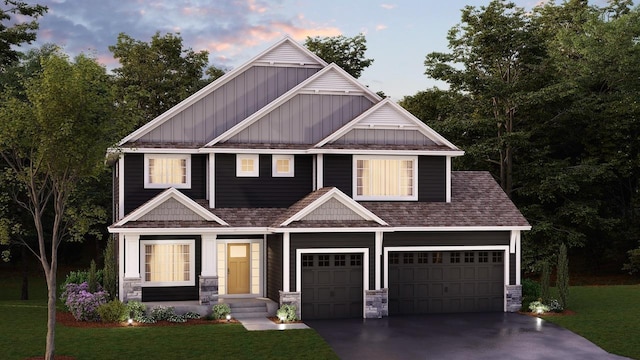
(562, 277)
(52, 141)
(155, 76)
(346, 52)
(13, 31)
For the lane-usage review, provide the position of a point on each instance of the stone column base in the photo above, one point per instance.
(514, 297)
(377, 303)
(292, 298)
(131, 289)
(208, 290)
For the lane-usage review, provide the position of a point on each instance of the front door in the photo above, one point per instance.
(238, 268)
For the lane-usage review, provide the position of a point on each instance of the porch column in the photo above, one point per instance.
(286, 273)
(378, 259)
(132, 282)
(209, 255)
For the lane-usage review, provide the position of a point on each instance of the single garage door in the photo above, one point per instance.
(331, 286)
(445, 282)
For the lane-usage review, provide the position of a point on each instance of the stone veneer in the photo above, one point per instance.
(514, 297)
(208, 290)
(292, 298)
(377, 303)
(132, 289)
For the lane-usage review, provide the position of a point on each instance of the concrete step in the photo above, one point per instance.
(248, 310)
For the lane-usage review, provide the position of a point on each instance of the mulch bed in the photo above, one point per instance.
(67, 319)
(550, 313)
(277, 321)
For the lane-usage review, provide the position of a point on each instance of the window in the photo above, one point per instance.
(162, 171)
(323, 260)
(436, 258)
(454, 257)
(423, 258)
(307, 260)
(340, 260)
(497, 257)
(247, 165)
(356, 260)
(282, 165)
(168, 262)
(394, 258)
(407, 258)
(385, 178)
(483, 256)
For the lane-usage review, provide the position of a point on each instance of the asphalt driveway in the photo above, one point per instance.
(455, 336)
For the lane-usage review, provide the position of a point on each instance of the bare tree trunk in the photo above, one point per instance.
(51, 319)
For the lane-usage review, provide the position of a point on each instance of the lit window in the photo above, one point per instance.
(167, 170)
(385, 178)
(282, 166)
(247, 165)
(168, 262)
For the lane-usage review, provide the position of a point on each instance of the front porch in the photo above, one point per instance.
(241, 308)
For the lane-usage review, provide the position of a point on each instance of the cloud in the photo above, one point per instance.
(388, 6)
(381, 27)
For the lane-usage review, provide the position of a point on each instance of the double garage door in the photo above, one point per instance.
(445, 282)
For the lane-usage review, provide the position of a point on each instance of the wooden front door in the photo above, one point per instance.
(238, 268)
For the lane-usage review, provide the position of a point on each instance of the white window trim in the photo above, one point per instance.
(192, 263)
(274, 165)
(414, 184)
(256, 167)
(186, 185)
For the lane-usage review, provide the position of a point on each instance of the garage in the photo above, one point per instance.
(445, 282)
(332, 286)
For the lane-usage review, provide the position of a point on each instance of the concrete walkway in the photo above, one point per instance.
(260, 324)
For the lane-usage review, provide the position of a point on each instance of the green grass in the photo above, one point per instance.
(605, 315)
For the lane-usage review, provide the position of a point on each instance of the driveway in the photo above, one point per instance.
(455, 336)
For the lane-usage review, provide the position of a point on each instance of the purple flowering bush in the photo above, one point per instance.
(82, 303)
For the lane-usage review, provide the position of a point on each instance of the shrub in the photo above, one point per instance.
(538, 307)
(82, 303)
(92, 279)
(220, 311)
(135, 310)
(109, 274)
(192, 315)
(287, 313)
(160, 313)
(78, 277)
(562, 281)
(530, 288)
(633, 266)
(113, 311)
(555, 306)
(544, 281)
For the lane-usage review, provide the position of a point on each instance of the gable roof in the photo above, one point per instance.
(388, 115)
(285, 52)
(171, 195)
(330, 80)
(314, 201)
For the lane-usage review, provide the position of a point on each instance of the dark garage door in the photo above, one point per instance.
(445, 282)
(331, 286)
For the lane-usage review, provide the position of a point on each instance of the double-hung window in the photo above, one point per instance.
(168, 262)
(385, 178)
(163, 171)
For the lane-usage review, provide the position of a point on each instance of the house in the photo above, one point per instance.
(286, 178)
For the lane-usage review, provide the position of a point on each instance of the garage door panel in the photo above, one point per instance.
(441, 282)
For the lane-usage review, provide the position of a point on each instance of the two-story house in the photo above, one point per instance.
(286, 178)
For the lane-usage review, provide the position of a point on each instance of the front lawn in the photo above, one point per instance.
(605, 315)
(23, 329)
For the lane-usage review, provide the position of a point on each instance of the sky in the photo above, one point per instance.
(399, 33)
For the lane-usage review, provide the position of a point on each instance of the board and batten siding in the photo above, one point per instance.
(264, 191)
(432, 179)
(304, 119)
(234, 101)
(274, 266)
(135, 194)
(331, 240)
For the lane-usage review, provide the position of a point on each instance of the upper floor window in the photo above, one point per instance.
(282, 165)
(385, 178)
(247, 165)
(167, 170)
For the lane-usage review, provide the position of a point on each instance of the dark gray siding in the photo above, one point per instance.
(264, 190)
(432, 179)
(134, 192)
(175, 293)
(512, 269)
(229, 104)
(304, 119)
(338, 172)
(274, 266)
(443, 238)
(331, 240)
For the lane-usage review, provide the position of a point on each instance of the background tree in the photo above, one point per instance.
(155, 76)
(52, 141)
(346, 52)
(13, 31)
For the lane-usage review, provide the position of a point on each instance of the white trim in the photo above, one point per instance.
(417, 125)
(274, 165)
(336, 194)
(319, 171)
(221, 150)
(256, 165)
(121, 253)
(414, 185)
(161, 198)
(286, 254)
(261, 265)
(185, 185)
(193, 230)
(132, 260)
(365, 267)
(213, 86)
(459, 228)
(378, 258)
(512, 242)
(192, 262)
(154, 150)
(518, 255)
(209, 254)
(120, 187)
(448, 179)
(212, 181)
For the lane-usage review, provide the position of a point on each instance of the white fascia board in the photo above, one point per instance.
(191, 231)
(211, 87)
(387, 152)
(164, 196)
(330, 230)
(159, 150)
(252, 151)
(286, 97)
(462, 228)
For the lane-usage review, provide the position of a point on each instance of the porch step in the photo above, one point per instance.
(248, 310)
